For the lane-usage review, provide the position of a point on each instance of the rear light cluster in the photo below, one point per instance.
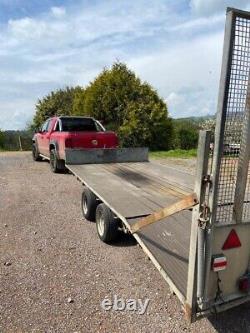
(244, 282)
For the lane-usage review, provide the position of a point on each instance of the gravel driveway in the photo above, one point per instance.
(55, 272)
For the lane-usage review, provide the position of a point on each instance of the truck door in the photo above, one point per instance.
(46, 136)
(41, 138)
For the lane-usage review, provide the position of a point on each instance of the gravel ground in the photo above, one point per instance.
(55, 272)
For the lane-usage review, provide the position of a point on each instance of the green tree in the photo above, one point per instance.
(130, 107)
(59, 102)
(78, 102)
(186, 134)
(106, 98)
(121, 101)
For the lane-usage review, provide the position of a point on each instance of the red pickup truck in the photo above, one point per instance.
(58, 133)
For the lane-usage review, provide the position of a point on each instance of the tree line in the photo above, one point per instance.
(125, 104)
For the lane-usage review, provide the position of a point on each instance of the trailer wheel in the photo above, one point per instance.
(56, 165)
(35, 153)
(89, 204)
(106, 224)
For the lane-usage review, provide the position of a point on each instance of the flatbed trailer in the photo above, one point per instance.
(133, 190)
(195, 229)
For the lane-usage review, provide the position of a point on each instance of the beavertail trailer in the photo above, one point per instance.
(195, 229)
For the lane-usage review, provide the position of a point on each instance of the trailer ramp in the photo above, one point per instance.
(223, 277)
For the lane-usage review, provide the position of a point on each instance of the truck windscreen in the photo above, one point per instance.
(78, 125)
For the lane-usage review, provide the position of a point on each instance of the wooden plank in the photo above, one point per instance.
(119, 194)
(186, 203)
(175, 177)
(132, 194)
(164, 179)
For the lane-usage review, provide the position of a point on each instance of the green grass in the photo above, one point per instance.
(176, 153)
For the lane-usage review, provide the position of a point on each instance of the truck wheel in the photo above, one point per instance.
(106, 224)
(56, 165)
(35, 153)
(89, 204)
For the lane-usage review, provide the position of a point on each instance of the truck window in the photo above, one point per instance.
(78, 125)
(57, 128)
(45, 126)
(50, 125)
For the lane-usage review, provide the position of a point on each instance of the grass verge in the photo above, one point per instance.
(176, 153)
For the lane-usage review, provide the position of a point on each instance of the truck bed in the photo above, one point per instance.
(133, 190)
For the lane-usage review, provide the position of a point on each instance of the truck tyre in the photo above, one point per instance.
(106, 224)
(35, 153)
(89, 204)
(56, 165)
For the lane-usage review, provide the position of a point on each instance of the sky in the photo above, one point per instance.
(175, 45)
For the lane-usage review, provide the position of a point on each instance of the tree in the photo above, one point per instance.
(2, 139)
(130, 107)
(59, 102)
(121, 101)
(78, 102)
(186, 134)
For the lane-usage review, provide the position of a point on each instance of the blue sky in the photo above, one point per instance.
(175, 45)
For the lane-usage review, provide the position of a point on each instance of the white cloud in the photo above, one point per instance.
(26, 28)
(58, 12)
(186, 74)
(177, 53)
(210, 7)
(198, 23)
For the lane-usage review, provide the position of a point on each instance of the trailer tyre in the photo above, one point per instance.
(89, 204)
(35, 153)
(56, 165)
(106, 224)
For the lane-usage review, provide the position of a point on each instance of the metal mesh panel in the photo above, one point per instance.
(234, 124)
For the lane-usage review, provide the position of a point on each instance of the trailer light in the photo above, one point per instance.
(219, 262)
(232, 241)
(244, 282)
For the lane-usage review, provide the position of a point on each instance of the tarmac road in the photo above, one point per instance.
(55, 272)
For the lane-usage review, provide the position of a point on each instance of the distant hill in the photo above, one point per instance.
(196, 119)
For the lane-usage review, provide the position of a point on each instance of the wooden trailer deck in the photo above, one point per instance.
(133, 190)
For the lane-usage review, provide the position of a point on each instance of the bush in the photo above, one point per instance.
(119, 99)
(132, 108)
(186, 134)
(59, 102)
